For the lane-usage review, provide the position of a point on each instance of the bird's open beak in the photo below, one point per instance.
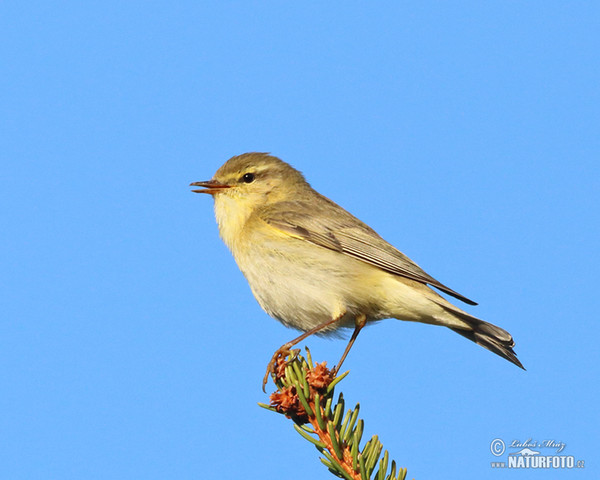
(211, 187)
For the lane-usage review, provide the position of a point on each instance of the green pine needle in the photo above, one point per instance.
(305, 394)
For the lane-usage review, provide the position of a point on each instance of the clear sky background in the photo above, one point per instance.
(467, 134)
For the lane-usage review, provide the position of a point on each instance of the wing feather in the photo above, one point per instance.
(345, 234)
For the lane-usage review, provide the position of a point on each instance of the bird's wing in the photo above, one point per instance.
(334, 228)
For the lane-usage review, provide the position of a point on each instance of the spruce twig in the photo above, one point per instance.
(305, 393)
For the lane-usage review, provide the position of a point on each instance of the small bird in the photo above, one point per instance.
(316, 268)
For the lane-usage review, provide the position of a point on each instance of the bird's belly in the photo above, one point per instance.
(305, 292)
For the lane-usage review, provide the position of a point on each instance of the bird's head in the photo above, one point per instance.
(247, 183)
(253, 179)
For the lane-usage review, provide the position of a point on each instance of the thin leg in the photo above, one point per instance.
(359, 323)
(285, 348)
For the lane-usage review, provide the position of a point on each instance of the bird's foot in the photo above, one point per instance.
(278, 362)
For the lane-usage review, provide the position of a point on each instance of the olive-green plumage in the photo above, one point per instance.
(308, 260)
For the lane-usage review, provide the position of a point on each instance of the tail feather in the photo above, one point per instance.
(489, 336)
(492, 343)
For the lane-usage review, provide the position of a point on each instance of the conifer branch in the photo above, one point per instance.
(305, 393)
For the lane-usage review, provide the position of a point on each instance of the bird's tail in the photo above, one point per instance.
(489, 336)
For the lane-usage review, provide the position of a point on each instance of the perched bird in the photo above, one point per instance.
(316, 268)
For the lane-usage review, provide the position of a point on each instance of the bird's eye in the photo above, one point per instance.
(248, 178)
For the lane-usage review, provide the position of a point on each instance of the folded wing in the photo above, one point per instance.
(344, 233)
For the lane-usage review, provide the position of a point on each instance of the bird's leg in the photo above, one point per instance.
(284, 350)
(359, 323)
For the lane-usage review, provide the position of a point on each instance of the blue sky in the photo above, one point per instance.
(466, 134)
